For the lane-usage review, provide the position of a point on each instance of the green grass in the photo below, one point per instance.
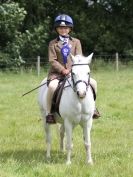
(22, 139)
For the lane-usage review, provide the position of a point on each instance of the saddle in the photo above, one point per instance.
(57, 96)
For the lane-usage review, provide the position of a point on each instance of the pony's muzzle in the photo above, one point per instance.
(81, 94)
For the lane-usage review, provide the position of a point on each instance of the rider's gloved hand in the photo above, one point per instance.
(65, 72)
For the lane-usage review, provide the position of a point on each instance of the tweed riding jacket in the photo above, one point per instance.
(56, 59)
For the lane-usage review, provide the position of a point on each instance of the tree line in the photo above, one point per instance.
(26, 27)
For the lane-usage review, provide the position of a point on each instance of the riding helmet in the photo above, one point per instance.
(63, 20)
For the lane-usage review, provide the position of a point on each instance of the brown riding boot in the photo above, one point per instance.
(50, 119)
(96, 114)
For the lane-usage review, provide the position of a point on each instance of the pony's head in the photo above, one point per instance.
(80, 73)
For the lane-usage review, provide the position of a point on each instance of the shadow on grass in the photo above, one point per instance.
(33, 156)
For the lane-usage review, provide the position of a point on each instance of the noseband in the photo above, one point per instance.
(75, 83)
(82, 82)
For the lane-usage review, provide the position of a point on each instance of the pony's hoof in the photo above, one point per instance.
(68, 163)
(62, 150)
(90, 162)
(48, 156)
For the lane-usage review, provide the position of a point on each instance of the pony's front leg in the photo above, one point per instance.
(48, 140)
(87, 141)
(68, 130)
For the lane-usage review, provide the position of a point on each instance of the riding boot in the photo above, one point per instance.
(50, 119)
(96, 114)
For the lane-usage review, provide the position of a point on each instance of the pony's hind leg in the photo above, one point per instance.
(48, 140)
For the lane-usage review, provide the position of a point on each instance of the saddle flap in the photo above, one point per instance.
(57, 96)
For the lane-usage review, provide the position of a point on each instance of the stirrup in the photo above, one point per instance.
(50, 119)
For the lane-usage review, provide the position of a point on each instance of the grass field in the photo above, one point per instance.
(22, 139)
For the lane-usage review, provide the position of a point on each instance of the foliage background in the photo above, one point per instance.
(26, 27)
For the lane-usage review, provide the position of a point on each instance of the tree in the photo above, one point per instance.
(102, 26)
(10, 21)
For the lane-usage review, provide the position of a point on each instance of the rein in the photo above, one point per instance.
(69, 84)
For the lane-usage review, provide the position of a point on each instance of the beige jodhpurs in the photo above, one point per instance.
(51, 89)
(93, 84)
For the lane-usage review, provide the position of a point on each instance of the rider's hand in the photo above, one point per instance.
(65, 71)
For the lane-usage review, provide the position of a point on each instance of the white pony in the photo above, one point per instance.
(76, 106)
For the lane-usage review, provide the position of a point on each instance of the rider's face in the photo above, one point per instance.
(63, 30)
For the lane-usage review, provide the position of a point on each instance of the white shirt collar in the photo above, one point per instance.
(64, 39)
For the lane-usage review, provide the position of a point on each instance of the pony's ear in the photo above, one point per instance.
(72, 57)
(89, 58)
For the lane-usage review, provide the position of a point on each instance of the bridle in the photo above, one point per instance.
(79, 81)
